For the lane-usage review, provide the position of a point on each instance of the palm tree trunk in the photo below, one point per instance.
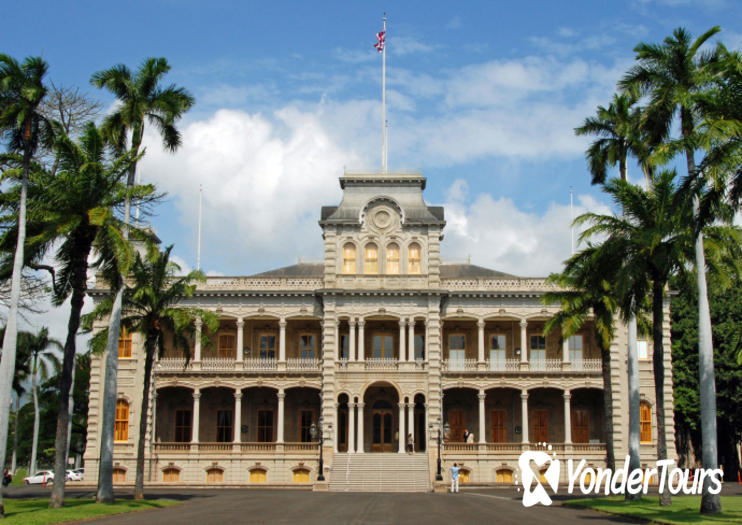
(79, 282)
(658, 365)
(105, 464)
(610, 455)
(150, 349)
(710, 503)
(7, 363)
(71, 411)
(35, 438)
(634, 423)
(110, 388)
(14, 459)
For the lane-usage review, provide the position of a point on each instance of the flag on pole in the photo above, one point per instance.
(380, 38)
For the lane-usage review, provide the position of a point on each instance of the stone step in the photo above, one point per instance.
(386, 472)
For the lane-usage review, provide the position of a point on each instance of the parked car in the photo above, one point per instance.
(81, 471)
(73, 475)
(42, 476)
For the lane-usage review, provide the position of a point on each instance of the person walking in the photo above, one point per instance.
(455, 478)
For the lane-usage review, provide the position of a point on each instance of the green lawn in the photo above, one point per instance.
(18, 477)
(36, 511)
(684, 509)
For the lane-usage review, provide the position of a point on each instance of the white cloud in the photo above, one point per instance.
(264, 181)
(497, 234)
(407, 45)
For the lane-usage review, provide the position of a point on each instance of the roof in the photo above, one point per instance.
(448, 271)
(312, 270)
(471, 271)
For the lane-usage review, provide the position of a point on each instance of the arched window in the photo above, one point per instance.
(121, 426)
(215, 475)
(171, 475)
(414, 258)
(645, 420)
(371, 259)
(504, 476)
(258, 475)
(392, 258)
(301, 475)
(349, 258)
(125, 344)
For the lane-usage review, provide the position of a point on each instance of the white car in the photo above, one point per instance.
(42, 476)
(73, 475)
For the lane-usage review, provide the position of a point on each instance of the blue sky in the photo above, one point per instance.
(482, 96)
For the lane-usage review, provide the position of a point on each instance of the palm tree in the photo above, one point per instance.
(673, 74)
(618, 131)
(586, 293)
(42, 359)
(19, 378)
(655, 240)
(151, 309)
(75, 214)
(141, 99)
(25, 128)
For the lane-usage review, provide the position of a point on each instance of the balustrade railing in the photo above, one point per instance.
(302, 363)
(235, 448)
(381, 363)
(459, 365)
(259, 363)
(503, 365)
(217, 363)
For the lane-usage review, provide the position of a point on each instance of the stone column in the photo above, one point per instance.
(427, 430)
(523, 341)
(567, 416)
(282, 340)
(411, 340)
(352, 337)
(197, 342)
(360, 427)
(237, 438)
(402, 326)
(351, 427)
(361, 353)
(480, 341)
(524, 416)
(401, 431)
(482, 396)
(240, 339)
(338, 346)
(410, 421)
(336, 430)
(196, 420)
(281, 398)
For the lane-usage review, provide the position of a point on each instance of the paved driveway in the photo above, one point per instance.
(233, 506)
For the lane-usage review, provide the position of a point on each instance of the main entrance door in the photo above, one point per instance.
(382, 433)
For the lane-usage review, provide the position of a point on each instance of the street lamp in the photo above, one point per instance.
(316, 433)
(443, 431)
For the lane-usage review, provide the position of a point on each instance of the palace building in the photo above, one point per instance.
(380, 345)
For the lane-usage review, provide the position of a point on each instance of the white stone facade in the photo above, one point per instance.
(378, 342)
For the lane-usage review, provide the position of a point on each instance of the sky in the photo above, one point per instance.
(482, 97)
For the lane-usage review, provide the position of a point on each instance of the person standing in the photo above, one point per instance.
(410, 444)
(466, 435)
(455, 478)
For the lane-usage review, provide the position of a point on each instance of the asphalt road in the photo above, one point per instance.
(233, 506)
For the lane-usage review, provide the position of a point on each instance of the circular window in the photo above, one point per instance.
(382, 219)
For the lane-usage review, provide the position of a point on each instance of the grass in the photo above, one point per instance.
(684, 509)
(36, 511)
(20, 473)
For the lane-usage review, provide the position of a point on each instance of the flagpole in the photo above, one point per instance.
(198, 242)
(383, 103)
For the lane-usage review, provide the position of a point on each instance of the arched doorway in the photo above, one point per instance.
(381, 425)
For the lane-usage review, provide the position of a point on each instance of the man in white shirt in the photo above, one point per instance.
(455, 478)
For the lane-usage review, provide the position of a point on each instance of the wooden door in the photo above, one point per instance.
(382, 433)
(498, 428)
(580, 426)
(457, 422)
(540, 426)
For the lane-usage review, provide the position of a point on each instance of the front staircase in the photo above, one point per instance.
(379, 472)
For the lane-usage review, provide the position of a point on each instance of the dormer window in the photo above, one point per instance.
(392, 258)
(371, 259)
(349, 258)
(414, 258)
